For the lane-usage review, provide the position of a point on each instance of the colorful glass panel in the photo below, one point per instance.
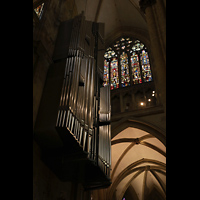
(126, 50)
(125, 77)
(114, 76)
(146, 71)
(106, 73)
(137, 46)
(109, 53)
(39, 10)
(135, 66)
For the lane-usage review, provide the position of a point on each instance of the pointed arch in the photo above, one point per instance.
(131, 57)
(129, 182)
(133, 141)
(159, 180)
(132, 168)
(128, 142)
(124, 123)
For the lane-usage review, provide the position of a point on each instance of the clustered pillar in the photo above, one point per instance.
(156, 21)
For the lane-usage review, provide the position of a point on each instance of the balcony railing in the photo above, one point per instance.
(134, 98)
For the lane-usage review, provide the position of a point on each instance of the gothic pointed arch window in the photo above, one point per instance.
(126, 63)
(112, 61)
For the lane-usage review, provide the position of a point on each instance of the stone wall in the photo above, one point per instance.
(46, 186)
(44, 38)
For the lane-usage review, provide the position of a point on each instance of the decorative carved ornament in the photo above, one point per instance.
(146, 3)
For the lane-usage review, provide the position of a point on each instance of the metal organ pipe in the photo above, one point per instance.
(84, 109)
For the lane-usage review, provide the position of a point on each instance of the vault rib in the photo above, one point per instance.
(129, 182)
(130, 169)
(127, 149)
(159, 180)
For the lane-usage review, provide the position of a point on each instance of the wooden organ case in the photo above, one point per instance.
(73, 122)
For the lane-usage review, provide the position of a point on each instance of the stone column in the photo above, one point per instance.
(121, 103)
(156, 21)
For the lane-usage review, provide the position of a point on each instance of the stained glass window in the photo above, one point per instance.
(109, 53)
(137, 46)
(106, 73)
(114, 77)
(39, 10)
(131, 56)
(146, 71)
(135, 66)
(125, 78)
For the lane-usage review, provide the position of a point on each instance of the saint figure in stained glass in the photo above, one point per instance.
(106, 73)
(135, 66)
(126, 50)
(146, 71)
(125, 77)
(114, 77)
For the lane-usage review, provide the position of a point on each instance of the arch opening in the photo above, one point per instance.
(138, 160)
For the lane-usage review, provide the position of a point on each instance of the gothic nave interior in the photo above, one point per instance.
(129, 52)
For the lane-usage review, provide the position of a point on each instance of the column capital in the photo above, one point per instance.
(146, 3)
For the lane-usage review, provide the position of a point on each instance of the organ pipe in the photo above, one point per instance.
(84, 110)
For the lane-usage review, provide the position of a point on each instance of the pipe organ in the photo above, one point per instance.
(73, 123)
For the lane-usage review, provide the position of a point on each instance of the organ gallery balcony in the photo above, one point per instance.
(138, 100)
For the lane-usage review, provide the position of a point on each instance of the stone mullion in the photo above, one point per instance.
(160, 18)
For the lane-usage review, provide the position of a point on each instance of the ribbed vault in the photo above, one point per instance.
(115, 14)
(138, 162)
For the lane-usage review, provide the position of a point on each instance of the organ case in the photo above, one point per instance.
(73, 123)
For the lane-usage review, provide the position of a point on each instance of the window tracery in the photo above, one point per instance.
(129, 63)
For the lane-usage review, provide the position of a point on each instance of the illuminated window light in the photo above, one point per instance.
(39, 10)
